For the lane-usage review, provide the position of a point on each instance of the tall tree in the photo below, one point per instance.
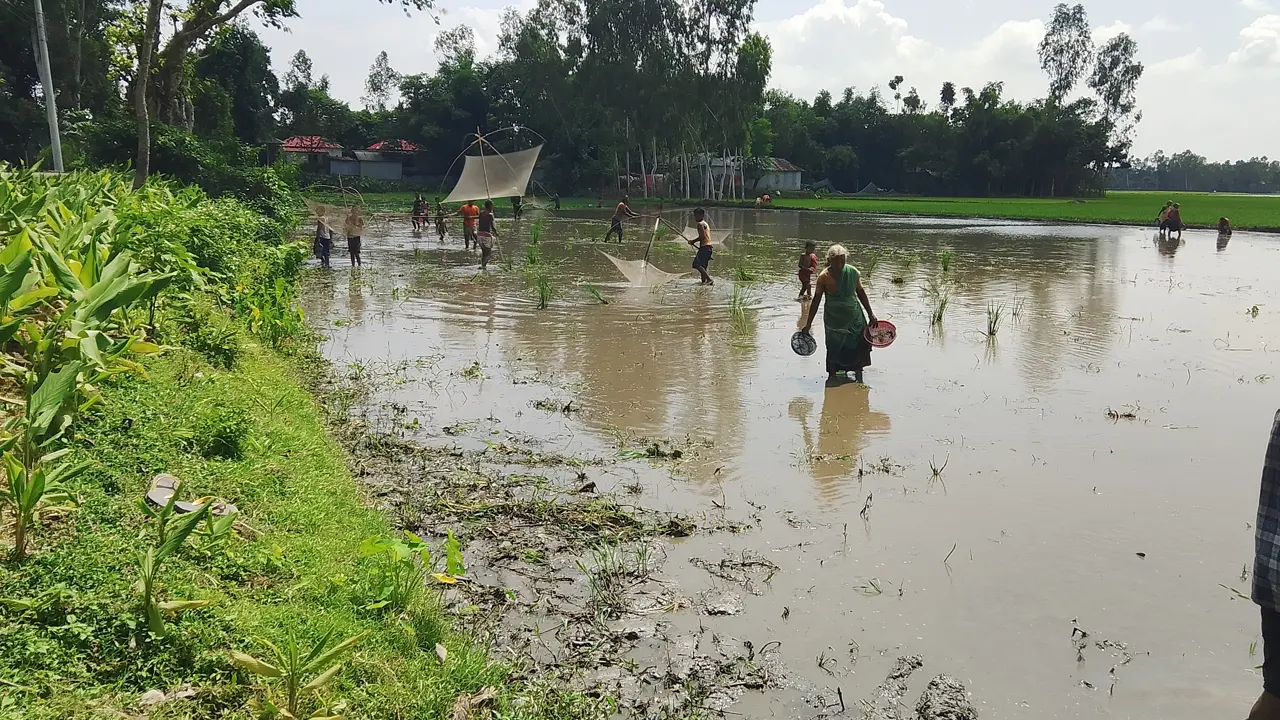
(1115, 76)
(198, 19)
(380, 84)
(1066, 51)
(947, 96)
(141, 114)
(239, 65)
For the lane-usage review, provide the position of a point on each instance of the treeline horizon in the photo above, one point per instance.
(615, 88)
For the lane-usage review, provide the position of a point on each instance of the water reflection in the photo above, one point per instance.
(1048, 500)
(846, 424)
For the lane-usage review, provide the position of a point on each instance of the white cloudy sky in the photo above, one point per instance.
(1211, 80)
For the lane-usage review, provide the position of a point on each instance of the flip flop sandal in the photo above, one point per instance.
(164, 485)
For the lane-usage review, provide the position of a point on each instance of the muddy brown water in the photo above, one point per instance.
(1053, 514)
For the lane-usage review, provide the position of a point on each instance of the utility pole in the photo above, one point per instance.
(46, 80)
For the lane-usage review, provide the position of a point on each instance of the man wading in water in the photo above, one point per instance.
(702, 261)
(847, 349)
(620, 213)
(488, 231)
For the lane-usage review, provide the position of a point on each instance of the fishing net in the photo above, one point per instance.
(349, 219)
(640, 273)
(718, 237)
(495, 176)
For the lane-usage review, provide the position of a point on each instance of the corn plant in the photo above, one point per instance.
(293, 668)
(172, 532)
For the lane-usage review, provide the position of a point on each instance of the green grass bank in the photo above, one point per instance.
(156, 331)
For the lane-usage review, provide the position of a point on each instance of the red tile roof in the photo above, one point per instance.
(309, 143)
(395, 146)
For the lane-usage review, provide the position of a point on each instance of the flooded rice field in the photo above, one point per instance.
(1058, 516)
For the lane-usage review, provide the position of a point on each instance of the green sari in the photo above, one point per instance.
(847, 349)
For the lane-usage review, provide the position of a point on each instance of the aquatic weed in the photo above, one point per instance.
(594, 292)
(869, 263)
(945, 258)
(743, 275)
(995, 316)
(739, 322)
(543, 285)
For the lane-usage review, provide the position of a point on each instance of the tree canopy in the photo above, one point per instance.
(614, 88)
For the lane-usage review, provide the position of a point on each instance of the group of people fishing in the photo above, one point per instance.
(353, 228)
(1170, 221)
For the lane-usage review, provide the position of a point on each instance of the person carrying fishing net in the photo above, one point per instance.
(841, 285)
(620, 213)
(702, 241)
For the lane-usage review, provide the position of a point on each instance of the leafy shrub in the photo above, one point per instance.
(209, 332)
(219, 432)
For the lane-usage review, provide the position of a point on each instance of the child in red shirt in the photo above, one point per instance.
(808, 266)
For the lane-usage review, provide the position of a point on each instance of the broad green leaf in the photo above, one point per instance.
(453, 556)
(174, 606)
(51, 394)
(68, 281)
(446, 579)
(253, 664)
(181, 532)
(144, 348)
(30, 298)
(16, 246)
(8, 330)
(13, 274)
(89, 346)
(322, 679)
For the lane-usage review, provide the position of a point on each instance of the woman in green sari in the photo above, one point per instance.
(847, 348)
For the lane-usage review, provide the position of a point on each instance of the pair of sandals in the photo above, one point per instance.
(164, 485)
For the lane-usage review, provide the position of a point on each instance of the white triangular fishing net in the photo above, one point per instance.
(495, 176)
(640, 273)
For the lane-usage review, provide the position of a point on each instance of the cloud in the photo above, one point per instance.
(343, 44)
(1161, 26)
(1259, 43)
(1187, 99)
(1106, 32)
(859, 43)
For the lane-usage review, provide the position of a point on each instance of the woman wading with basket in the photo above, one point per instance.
(849, 334)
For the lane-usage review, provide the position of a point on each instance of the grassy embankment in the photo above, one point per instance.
(1200, 210)
(230, 415)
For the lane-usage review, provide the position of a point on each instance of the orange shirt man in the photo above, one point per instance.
(470, 213)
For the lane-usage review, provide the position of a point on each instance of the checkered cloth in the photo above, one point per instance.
(1266, 561)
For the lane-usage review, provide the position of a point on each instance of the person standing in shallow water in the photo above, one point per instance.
(808, 266)
(841, 285)
(488, 231)
(1266, 578)
(702, 261)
